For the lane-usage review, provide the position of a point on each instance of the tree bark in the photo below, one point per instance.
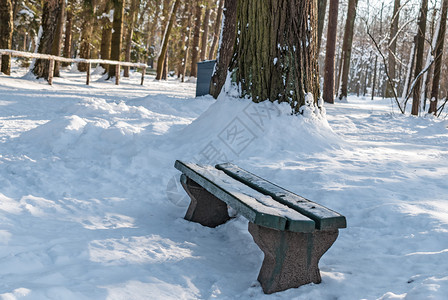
(196, 36)
(163, 52)
(86, 33)
(57, 44)
(185, 43)
(67, 52)
(132, 17)
(217, 25)
(347, 46)
(225, 51)
(106, 35)
(420, 47)
(438, 59)
(50, 17)
(393, 47)
(321, 10)
(6, 30)
(276, 52)
(205, 26)
(330, 51)
(117, 35)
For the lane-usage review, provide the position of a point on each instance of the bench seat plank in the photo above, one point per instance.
(257, 207)
(325, 218)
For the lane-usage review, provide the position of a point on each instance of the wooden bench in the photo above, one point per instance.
(292, 232)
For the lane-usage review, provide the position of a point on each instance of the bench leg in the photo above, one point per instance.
(290, 258)
(204, 208)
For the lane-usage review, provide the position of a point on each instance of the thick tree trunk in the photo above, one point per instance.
(347, 47)
(132, 17)
(196, 36)
(321, 10)
(225, 51)
(217, 25)
(50, 17)
(328, 91)
(163, 52)
(117, 34)
(6, 30)
(393, 47)
(276, 54)
(438, 59)
(420, 47)
(205, 26)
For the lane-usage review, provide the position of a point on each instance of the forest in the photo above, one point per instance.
(391, 49)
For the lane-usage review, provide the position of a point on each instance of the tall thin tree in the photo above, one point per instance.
(438, 59)
(225, 51)
(420, 47)
(393, 47)
(328, 90)
(347, 47)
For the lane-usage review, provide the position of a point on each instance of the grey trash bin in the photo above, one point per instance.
(205, 72)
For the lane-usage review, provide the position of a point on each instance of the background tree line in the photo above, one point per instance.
(390, 48)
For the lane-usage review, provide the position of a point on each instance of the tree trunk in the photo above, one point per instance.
(117, 34)
(86, 33)
(276, 54)
(205, 26)
(420, 47)
(218, 25)
(186, 39)
(225, 51)
(196, 36)
(438, 59)
(50, 17)
(328, 92)
(6, 30)
(106, 35)
(68, 35)
(321, 10)
(347, 46)
(57, 44)
(393, 47)
(163, 52)
(132, 17)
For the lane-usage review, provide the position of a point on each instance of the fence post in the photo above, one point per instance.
(89, 66)
(51, 72)
(143, 75)
(117, 74)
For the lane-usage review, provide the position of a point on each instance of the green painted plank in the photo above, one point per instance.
(325, 218)
(256, 207)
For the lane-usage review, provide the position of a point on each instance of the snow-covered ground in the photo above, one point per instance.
(91, 208)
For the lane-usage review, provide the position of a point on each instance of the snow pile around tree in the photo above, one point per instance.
(91, 206)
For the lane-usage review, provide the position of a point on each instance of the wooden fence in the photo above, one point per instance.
(89, 63)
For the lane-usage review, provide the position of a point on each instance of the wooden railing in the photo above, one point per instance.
(89, 62)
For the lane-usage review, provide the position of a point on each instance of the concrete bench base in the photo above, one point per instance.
(290, 258)
(204, 208)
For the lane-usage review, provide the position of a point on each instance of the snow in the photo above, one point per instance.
(91, 207)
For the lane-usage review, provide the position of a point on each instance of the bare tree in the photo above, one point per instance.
(438, 59)
(420, 47)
